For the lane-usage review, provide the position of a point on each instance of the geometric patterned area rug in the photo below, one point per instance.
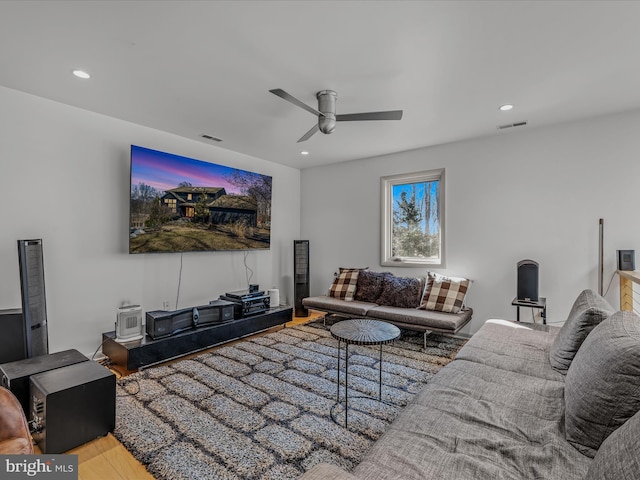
(260, 408)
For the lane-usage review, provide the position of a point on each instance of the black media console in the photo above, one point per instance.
(147, 352)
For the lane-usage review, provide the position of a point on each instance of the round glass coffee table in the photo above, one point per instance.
(360, 331)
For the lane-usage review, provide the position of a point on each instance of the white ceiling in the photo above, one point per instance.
(195, 67)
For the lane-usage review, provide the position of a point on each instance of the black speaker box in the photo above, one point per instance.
(13, 336)
(15, 375)
(72, 405)
(528, 281)
(626, 260)
(301, 288)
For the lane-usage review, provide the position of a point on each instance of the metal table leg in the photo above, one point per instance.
(380, 386)
(338, 384)
(346, 385)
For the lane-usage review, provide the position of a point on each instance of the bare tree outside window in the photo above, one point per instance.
(412, 219)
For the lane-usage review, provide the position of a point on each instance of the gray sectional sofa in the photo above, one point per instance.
(522, 401)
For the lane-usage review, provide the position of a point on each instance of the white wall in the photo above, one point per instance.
(64, 177)
(533, 193)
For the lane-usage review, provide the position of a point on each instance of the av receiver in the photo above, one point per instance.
(245, 306)
(163, 323)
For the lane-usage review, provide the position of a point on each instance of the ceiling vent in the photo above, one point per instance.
(511, 125)
(209, 137)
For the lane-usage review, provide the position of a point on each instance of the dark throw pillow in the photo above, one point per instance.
(404, 292)
(587, 312)
(369, 286)
(601, 389)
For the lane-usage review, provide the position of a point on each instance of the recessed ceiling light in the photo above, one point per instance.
(81, 74)
(506, 107)
(304, 152)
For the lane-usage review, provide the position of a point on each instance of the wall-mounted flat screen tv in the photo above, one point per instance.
(181, 204)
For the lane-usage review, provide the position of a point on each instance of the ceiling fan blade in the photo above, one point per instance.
(352, 117)
(308, 135)
(289, 98)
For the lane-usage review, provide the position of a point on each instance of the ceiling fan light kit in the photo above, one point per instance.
(326, 112)
(327, 106)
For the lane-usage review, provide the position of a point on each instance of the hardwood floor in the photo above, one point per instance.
(106, 458)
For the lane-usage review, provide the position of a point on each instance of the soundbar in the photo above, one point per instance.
(163, 323)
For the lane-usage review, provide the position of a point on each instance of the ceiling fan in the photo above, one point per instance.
(326, 112)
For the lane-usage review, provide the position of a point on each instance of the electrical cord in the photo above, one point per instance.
(609, 286)
(124, 382)
(247, 269)
(99, 346)
(108, 363)
(179, 282)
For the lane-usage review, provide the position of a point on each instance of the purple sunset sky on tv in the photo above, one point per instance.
(164, 171)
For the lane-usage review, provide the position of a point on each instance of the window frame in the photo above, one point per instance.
(386, 231)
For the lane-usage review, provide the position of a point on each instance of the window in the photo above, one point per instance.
(172, 204)
(413, 219)
(189, 196)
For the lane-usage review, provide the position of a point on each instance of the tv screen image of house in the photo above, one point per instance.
(181, 204)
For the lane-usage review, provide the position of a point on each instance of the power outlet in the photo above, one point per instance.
(165, 305)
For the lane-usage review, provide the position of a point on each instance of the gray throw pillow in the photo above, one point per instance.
(588, 310)
(618, 456)
(602, 388)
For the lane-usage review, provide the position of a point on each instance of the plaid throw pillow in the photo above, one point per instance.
(344, 285)
(444, 294)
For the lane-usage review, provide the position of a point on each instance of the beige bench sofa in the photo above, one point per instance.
(383, 296)
(410, 318)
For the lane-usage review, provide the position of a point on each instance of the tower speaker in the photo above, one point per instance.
(300, 276)
(34, 308)
(13, 340)
(528, 281)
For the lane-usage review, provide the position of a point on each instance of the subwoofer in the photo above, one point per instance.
(72, 405)
(528, 281)
(300, 276)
